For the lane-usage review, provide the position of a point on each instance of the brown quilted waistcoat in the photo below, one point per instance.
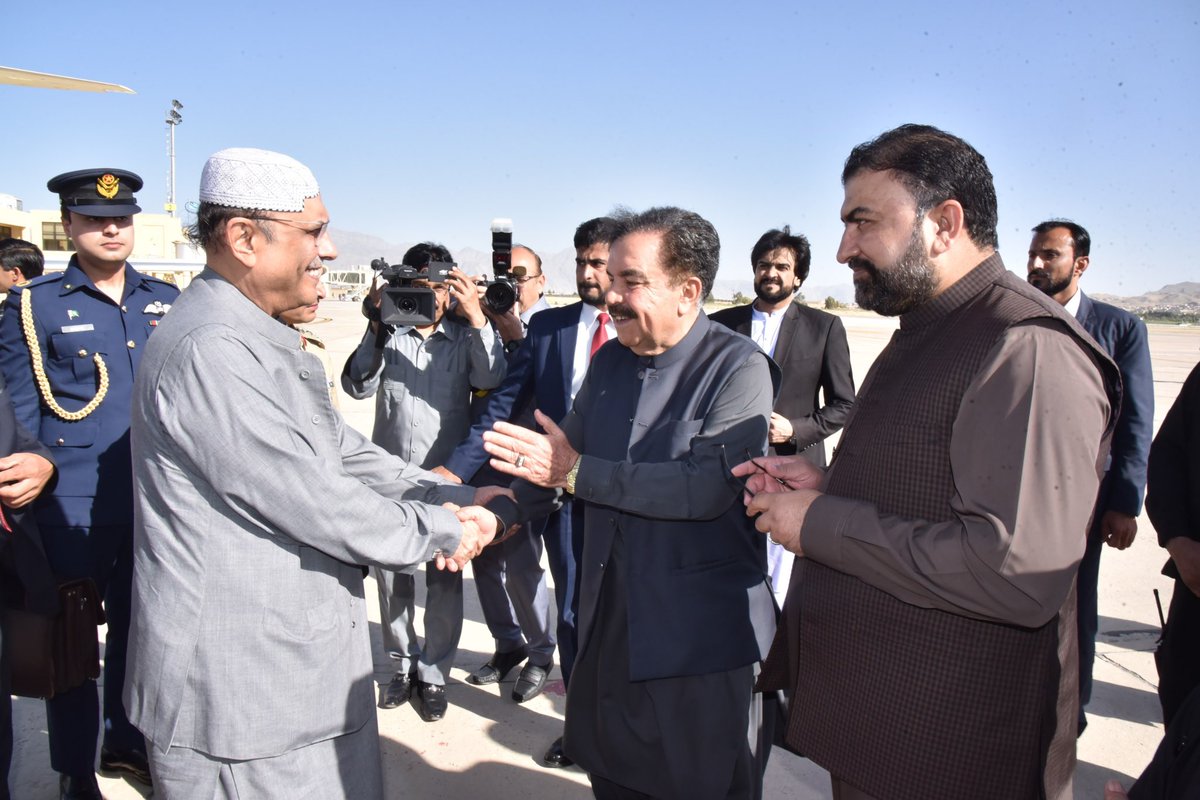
(910, 702)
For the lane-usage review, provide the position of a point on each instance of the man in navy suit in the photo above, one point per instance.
(1058, 256)
(544, 374)
(810, 348)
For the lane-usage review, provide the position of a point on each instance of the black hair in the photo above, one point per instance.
(1080, 240)
(601, 230)
(423, 254)
(22, 255)
(775, 239)
(934, 166)
(690, 244)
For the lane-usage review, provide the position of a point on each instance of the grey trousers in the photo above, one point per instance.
(512, 593)
(443, 621)
(343, 767)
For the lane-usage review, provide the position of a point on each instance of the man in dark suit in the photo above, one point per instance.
(675, 609)
(808, 345)
(25, 578)
(810, 348)
(1058, 256)
(544, 373)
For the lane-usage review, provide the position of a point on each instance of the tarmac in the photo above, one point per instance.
(489, 746)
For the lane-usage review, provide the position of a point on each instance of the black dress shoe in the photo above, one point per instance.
(497, 667)
(431, 701)
(79, 787)
(530, 682)
(128, 762)
(398, 690)
(555, 757)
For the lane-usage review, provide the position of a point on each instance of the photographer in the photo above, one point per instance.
(529, 283)
(422, 375)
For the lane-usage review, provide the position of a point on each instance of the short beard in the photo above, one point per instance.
(1040, 279)
(591, 294)
(909, 283)
(771, 295)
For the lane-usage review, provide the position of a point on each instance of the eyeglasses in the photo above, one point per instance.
(300, 224)
(524, 279)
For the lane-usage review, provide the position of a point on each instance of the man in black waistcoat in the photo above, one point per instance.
(929, 638)
(675, 609)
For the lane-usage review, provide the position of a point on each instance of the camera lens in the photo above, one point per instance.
(500, 297)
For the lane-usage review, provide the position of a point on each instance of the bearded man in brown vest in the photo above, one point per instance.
(928, 638)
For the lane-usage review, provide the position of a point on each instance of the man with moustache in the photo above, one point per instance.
(250, 666)
(811, 350)
(70, 343)
(544, 374)
(928, 639)
(675, 608)
(421, 376)
(1059, 254)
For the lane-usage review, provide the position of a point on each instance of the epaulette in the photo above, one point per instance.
(41, 280)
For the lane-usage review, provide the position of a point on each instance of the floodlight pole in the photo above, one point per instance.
(173, 119)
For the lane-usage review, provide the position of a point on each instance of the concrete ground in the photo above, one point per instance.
(488, 746)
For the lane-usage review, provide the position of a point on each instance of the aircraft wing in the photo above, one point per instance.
(44, 80)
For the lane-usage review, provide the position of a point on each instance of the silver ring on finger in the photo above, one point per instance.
(520, 462)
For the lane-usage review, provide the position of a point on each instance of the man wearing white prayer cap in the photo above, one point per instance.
(249, 665)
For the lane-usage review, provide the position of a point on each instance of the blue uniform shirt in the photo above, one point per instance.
(73, 321)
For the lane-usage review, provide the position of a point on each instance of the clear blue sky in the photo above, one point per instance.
(426, 120)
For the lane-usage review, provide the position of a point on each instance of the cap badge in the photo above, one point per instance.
(107, 185)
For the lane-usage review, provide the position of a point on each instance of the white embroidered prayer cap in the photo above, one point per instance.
(247, 177)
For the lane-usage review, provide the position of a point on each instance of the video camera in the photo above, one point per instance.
(500, 291)
(402, 303)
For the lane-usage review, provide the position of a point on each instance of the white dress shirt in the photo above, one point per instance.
(589, 320)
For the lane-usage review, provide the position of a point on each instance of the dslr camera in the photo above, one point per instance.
(500, 291)
(403, 304)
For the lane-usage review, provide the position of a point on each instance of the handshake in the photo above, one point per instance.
(542, 459)
(492, 519)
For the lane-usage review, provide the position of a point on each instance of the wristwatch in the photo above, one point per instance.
(513, 346)
(572, 474)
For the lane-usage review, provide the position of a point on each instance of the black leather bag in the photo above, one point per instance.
(48, 654)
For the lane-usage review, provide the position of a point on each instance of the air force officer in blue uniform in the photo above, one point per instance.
(70, 343)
